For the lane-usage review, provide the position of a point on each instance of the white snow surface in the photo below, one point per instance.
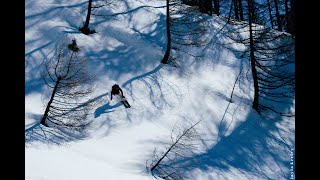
(127, 49)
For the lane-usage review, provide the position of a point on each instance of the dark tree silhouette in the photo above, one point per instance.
(271, 61)
(205, 6)
(255, 103)
(291, 25)
(187, 28)
(165, 58)
(236, 9)
(66, 74)
(240, 9)
(216, 5)
(85, 29)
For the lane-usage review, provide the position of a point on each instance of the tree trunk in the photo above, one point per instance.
(287, 13)
(254, 16)
(45, 115)
(292, 20)
(278, 15)
(86, 24)
(255, 103)
(208, 6)
(205, 6)
(167, 54)
(85, 29)
(240, 10)
(236, 11)
(229, 16)
(216, 7)
(270, 13)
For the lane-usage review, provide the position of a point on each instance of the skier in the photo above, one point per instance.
(116, 91)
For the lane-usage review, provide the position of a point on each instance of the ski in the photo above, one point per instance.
(126, 104)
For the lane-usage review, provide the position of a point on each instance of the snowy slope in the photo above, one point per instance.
(131, 40)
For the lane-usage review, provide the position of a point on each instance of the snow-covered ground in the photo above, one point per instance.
(127, 49)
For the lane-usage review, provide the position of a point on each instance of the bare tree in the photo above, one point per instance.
(271, 59)
(187, 29)
(67, 75)
(184, 28)
(171, 162)
(255, 103)
(238, 10)
(273, 13)
(274, 60)
(85, 29)
(271, 67)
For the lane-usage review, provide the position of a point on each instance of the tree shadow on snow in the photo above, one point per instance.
(134, 50)
(254, 149)
(58, 135)
(158, 87)
(38, 133)
(53, 9)
(258, 148)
